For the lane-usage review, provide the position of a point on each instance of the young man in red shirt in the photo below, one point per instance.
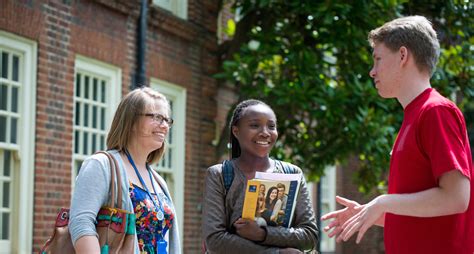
(429, 207)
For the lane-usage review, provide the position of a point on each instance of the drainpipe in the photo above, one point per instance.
(140, 76)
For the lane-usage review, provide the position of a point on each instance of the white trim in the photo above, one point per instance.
(113, 75)
(177, 7)
(178, 95)
(220, 30)
(328, 199)
(22, 238)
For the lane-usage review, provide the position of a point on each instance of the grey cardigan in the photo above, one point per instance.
(220, 211)
(91, 192)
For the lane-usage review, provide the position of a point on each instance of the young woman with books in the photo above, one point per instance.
(253, 134)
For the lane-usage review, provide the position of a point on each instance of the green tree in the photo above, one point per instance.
(310, 61)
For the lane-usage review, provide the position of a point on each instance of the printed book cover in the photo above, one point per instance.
(270, 198)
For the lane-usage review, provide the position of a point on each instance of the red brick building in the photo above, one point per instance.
(64, 66)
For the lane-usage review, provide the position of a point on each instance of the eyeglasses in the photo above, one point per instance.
(160, 118)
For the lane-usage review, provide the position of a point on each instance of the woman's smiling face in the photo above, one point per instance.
(274, 194)
(150, 132)
(256, 131)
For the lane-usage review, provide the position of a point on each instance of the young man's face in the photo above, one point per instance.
(386, 71)
(281, 192)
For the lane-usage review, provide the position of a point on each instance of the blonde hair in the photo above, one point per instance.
(414, 32)
(127, 114)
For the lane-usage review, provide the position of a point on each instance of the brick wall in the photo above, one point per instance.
(53, 146)
(179, 51)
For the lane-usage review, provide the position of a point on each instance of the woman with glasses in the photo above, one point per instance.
(136, 140)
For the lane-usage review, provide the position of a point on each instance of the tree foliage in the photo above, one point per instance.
(310, 61)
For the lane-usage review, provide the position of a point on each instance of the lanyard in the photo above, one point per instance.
(161, 243)
(141, 179)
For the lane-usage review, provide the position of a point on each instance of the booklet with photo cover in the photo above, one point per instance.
(270, 198)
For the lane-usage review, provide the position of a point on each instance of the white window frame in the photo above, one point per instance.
(113, 75)
(178, 95)
(177, 7)
(23, 186)
(328, 198)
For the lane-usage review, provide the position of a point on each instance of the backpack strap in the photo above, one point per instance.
(227, 174)
(287, 167)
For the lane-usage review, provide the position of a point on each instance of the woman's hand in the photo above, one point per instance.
(250, 230)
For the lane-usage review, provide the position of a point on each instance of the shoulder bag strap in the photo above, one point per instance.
(118, 180)
(114, 178)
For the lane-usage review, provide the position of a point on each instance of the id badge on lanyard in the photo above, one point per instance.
(161, 246)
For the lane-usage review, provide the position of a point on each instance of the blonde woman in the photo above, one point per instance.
(136, 140)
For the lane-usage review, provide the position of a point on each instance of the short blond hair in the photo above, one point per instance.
(416, 34)
(127, 114)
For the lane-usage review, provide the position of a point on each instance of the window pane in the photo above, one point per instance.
(86, 115)
(78, 85)
(4, 65)
(102, 119)
(78, 114)
(94, 141)
(103, 91)
(86, 87)
(95, 89)
(5, 226)
(6, 194)
(13, 130)
(3, 96)
(85, 143)
(15, 68)
(3, 128)
(94, 116)
(76, 141)
(102, 142)
(78, 166)
(6, 163)
(15, 99)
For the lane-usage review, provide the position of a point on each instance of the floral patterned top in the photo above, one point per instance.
(152, 222)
